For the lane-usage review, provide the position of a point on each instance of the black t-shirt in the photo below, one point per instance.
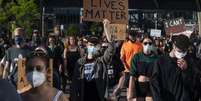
(56, 55)
(90, 89)
(72, 58)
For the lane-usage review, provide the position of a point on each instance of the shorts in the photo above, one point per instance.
(142, 90)
(126, 80)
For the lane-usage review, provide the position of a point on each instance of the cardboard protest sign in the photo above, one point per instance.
(174, 26)
(50, 73)
(155, 33)
(117, 31)
(22, 84)
(114, 10)
(186, 33)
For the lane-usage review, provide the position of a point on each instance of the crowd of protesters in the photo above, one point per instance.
(150, 68)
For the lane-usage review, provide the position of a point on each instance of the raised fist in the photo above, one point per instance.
(106, 21)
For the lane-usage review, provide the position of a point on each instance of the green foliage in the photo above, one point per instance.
(93, 28)
(23, 13)
(96, 28)
(72, 30)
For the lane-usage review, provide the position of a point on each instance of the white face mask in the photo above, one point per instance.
(194, 43)
(180, 55)
(90, 51)
(147, 49)
(36, 78)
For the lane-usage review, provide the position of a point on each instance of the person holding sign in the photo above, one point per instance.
(90, 80)
(36, 71)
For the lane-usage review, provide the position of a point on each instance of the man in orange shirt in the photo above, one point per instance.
(128, 50)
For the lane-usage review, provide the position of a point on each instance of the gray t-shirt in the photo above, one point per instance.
(11, 55)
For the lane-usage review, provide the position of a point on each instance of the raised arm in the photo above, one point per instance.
(110, 51)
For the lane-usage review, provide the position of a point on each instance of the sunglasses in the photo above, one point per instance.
(37, 68)
(147, 43)
(39, 53)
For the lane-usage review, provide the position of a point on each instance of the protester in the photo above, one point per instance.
(172, 74)
(141, 69)
(12, 54)
(58, 39)
(81, 46)
(72, 54)
(159, 47)
(64, 73)
(128, 50)
(54, 50)
(90, 77)
(36, 39)
(116, 66)
(36, 70)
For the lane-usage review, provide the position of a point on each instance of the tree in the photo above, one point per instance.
(72, 30)
(21, 13)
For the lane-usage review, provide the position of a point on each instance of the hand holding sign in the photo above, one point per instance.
(22, 84)
(106, 24)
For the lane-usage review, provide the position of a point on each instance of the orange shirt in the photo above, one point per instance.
(128, 50)
(140, 44)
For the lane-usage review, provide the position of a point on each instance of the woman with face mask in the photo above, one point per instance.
(141, 66)
(36, 71)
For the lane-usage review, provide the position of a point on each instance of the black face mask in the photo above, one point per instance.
(36, 39)
(18, 40)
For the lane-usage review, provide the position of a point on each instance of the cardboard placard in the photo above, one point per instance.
(118, 31)
(22, 84)
(155, 33)
(114, 10)
(186, 33)
(174, 26)
(50, 73)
